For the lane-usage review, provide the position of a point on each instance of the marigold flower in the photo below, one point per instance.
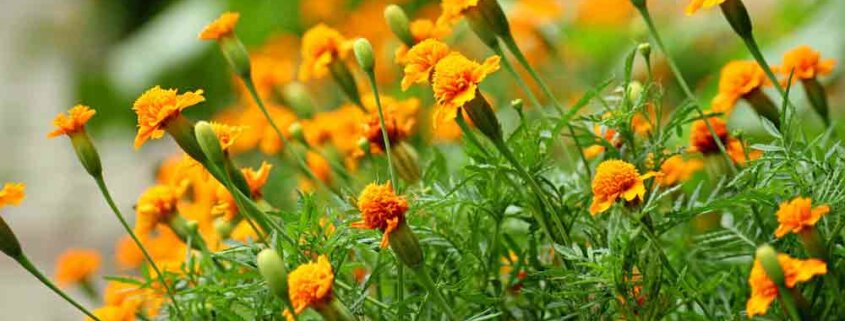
(420, 61)
(604, 13)
(455, 83)
(737, 151)
(12, 194)
(75, 266)
(256, 179)
(381, 209)
(701, 140)
(675, 169)
(321, 46)
(616, 178)
(112, 313)
(158, 106)
(797, 215)
(764, 290)
(396, 131)
(227, 134)
(319, 166)
(737, 80)
(224, 26)
(453, 10)
(695, 5)
(72, 122)
(310, 284)
(805, 63)
(155, 206)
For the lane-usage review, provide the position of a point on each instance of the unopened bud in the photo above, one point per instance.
(296, 96)
(295, 131)
(406, 162)
(87, 153)
(364, 145)
(635, 89)
(484, 118)
(236, 55)
(737, 16)
(768, 257)
(645, 50)
(210, 144)
(344, 79)
(9, 244)
(488, 16)
(364, 54)
(398, 22)
(406, 246)
(272, 269)
(818, 98)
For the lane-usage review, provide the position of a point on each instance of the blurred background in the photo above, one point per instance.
(105, 53)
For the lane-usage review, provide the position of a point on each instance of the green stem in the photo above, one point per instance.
(519, 81)
(27, 265)
(428, 283)
(101, 184)
(371, 76)
(682, 82)
(400, 292)
(468, 133)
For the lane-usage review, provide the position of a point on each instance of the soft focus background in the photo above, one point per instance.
(56, 53)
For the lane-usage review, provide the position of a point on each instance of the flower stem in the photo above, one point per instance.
(682, 82)
(426, 281)
(519, 81)
(371, 76)
(27, 265)
(101, 184)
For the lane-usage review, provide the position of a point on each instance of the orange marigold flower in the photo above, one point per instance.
(127, 254)
(798, 214)
(310, 284)
(320, 166)
(764, 290)
(112, 313)
(420, 61)
(12, 194)
(155, 206)
(75, 266)
(805, 63)
(381, 209)
(702, 141)
(455, 83)
(453, 10)
(737, 79)
(396, 131)
(694, 5)
(736, 149)
(604, 13)
(256, 179)
(224, 26)
(321, 45)
(158, 106)
(616, 178)
(72, 122)
(227, 134)
(675, 170)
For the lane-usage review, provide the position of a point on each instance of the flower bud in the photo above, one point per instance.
(343, 77)
(210, 144)
(295, 130)
(818, 98)
(87, 153)
(224, 227)
(737, 16)
(813, 243)
(406, 246)
(364, 145)
(482, 28)
(645, 50)
(236, 55)
(406, 162)
(182, 132)
(272, 269)
(187, 231)
(493, 17)
(635, 89)
(8, 241)
(364, 54)
(483, 116)
(398, 22)
(296, 96)
(768, 257)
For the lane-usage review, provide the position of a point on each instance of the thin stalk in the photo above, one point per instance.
(400, 292)
(27, 265)
(682, 82)
(371, 76)
(519, 81)
(428, 283)
(514, 49)
(470, 135)
(101, 184)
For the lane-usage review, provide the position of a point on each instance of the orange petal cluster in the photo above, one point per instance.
(12, 194)
(224, 26)
(72, 122)
(616, 178)
(381, 209)
(455, 83)
(798, 214)
(805, 63)
(156, 107)
(75, 266)
(764, 290)
(310, 284)
(321, 46)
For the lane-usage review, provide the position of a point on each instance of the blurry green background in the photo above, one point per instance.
(104, 53)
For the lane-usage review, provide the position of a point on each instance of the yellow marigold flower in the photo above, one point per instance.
(420, 61)
(455, 83)
(616, 178)
(737, 79)
(805, 63)
(222, 27)
(227, 134)
(764, 290)
(12, 194)
(381, 209)
(310, 284)
(72, 122)
(155, 206)
(75, 266)
(694, 5)
(321, 45)
(798, 214)
(158, 106)
(675, 170)
(127, 255)
(112, 313)
(700, 138)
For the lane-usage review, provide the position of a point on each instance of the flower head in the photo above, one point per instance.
(227, 134)
(764, 290)
(396, 131)
(798, 214)
(224, 26)
(738, 79)
(321, 46)
(694, 5)
(420, 61)
(453, 10)
(156, 107)
(75, 266)
(113, 313)
(256, 179)
(805, 63)
(72, 122)
(381, 209)
(155, 206)
(675, 169)
(455, 83)
(739, 153)
(12, 194)
(616, 178)
(701, 140)
(310, 284)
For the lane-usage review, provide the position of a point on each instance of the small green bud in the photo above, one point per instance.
(236, 55)
(484, 118)
(406, 162)
(738, 18)
(645, 50)
(87, 153)
(635, 89)
(768, 257)
(364, 145)
(295, 131)
(8, 241)
(364, 54)
(398, 22)
(210, 144)
(406, 246)
(296, 96)
(272, 269)
(182, 131)
(223, 227)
